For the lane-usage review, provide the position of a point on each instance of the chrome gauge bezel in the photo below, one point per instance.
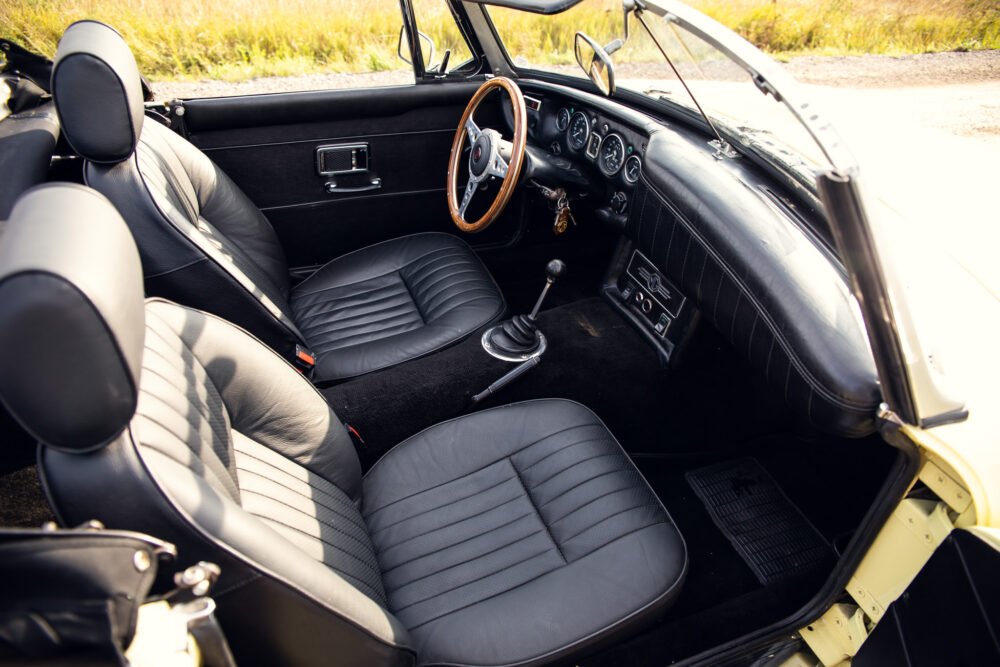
(569, 134)
(625, 169)
(562, 125)
(614, 136)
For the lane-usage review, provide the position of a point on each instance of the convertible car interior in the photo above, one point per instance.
(561, 385)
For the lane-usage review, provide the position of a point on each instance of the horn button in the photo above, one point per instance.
(482, 150)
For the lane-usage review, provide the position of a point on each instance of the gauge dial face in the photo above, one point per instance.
(578, 132)
(562, 119)
(612, 155)
(633, 166)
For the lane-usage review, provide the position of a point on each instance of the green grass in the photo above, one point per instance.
(240, 39)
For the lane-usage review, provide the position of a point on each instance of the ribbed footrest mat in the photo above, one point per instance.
(774, 538)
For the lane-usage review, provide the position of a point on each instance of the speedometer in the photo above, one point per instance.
(578, 132)
(612, 155)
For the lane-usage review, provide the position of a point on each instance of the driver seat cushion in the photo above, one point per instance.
(393, 301)
(518, 534)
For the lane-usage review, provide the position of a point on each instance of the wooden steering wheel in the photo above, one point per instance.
(491, 157)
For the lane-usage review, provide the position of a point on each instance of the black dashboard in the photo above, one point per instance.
(727, 240)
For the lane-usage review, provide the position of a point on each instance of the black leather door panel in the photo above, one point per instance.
(267, 145)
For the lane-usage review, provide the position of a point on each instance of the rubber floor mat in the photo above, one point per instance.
(774, 538)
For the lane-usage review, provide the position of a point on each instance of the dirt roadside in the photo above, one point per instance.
(929, 69)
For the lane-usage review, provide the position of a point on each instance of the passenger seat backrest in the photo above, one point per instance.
(202, 241)
(166, 420)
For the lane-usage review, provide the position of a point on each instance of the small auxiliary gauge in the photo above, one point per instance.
(562, 119)
(633, 167)
(578, 132)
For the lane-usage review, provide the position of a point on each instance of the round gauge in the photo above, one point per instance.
(562, 119)
(633, 165)
(578, 132)
(612, 155)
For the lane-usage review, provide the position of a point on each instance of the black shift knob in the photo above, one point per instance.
(555, 269)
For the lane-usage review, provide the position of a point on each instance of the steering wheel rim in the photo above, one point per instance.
(495, 165)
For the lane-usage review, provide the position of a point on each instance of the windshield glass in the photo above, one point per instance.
(725, 91)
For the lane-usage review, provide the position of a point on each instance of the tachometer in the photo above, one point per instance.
(578, 132)
(562, 119)
(612, 155)
(633, 166)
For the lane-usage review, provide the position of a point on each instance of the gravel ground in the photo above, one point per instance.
(927, 69)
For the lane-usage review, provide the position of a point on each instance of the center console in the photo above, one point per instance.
(648, 299)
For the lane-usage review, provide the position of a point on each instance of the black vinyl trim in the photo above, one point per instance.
(354, 137)
(349, 197)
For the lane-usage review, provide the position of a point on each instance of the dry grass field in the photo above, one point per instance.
(240, 39)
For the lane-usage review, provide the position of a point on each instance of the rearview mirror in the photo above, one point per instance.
(595, 61)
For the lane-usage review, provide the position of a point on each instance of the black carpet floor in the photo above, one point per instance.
(594, 357)
(22, 503)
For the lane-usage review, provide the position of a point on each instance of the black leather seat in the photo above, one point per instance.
(203, 242)
(513, 536)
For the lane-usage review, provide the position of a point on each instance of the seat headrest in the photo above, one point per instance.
(72, 319)
(98, 92)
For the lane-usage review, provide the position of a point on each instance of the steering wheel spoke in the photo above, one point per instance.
(472, 130)
(498, 167)
(470, 189)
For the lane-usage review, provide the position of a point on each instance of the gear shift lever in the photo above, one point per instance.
(554, 270)
(518, 338)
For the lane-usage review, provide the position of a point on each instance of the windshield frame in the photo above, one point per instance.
(766, 74)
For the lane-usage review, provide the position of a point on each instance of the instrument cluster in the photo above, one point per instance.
(614, 149)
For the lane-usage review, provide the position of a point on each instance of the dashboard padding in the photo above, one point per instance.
(765, 284)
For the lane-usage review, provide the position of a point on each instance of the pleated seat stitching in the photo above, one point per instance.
(327, 345)
(339, 320)
(368, 278)
(233, 492)
(469, 583)
(319, 538)
(479, 601)
(562, 449)
(490, 552)
(451, 307)
(311, 499)
(310, 484)
(473, 472)
(527, 493)
(579, 484)
(608, 518)
(312, 298)
(422, 289)
(575, 464)
(187, 464)
(380, 317)
(207, 416)
(453, 544)
(367, 545)
(449, 525)
(376, 594)
(450, 502)
(590, 502)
